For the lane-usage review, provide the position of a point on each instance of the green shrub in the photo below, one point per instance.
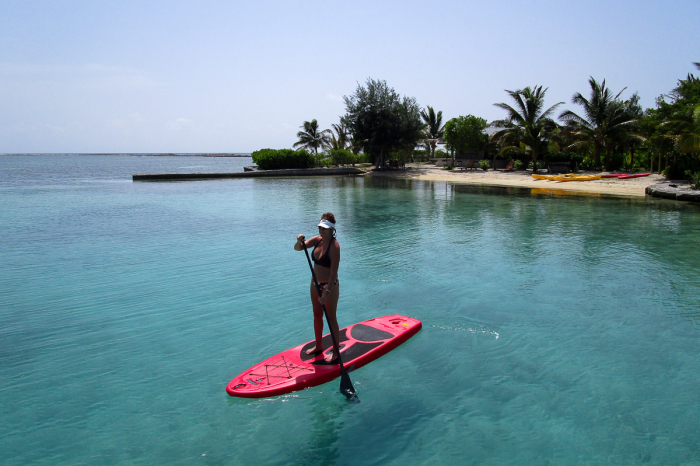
(574, 158)
(322, 160)
(617, 160)
(271, 159)
(393, 155)
(420, 155)
(517, 165)
(484, 164)
(679, 166)
(587, 163)
(694, 179)
(540, 165)
(343, 157)
(365, 158)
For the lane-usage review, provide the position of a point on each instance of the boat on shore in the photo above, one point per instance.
(636, 175)
(625, 176)
(542, 177)
(567, 177)
(571, 177)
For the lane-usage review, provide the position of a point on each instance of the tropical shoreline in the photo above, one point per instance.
(634, 187)
(132, 154)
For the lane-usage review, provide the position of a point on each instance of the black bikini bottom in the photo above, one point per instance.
(321, 285)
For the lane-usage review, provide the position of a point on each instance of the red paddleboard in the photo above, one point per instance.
(294, 370)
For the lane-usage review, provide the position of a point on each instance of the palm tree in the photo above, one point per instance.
(686, 88)
(685, 124)
(606, 121)
(341, 138)
(434, 128)
(686, 127)
(312, 138)
(526, 128)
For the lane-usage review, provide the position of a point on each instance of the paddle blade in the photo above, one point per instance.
(346, 387)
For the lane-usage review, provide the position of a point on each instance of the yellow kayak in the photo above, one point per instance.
(567, 177)
(576, 177)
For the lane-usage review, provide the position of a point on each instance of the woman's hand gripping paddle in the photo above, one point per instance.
(346, 387)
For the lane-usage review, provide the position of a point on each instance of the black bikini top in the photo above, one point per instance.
(324, 260)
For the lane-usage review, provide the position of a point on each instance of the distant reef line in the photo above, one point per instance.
(140, 154)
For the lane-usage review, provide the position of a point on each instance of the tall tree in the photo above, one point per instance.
(466, 134)
(527, 123)
(434, 128)
(375, 118)
(633, 139)
(606, 121)
(312, 138)
(412, 126)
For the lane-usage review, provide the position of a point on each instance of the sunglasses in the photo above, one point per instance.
(324, 229)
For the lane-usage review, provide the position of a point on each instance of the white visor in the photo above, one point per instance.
(326, 224)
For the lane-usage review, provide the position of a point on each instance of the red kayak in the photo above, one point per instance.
(638, 175)
(624, 176)
(294, 370)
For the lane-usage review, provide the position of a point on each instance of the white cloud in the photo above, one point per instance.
(181, 124)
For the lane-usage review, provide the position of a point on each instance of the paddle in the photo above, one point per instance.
(346, 387)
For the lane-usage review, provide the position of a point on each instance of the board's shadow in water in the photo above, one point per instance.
(321, 447)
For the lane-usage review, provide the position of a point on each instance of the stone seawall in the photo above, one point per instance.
(345, 171)
(674, 191)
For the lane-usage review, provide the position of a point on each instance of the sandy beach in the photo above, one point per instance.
(633, 187)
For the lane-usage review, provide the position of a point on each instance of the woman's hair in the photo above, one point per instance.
(331, 218)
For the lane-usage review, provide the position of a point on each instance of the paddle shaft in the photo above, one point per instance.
(336, 345)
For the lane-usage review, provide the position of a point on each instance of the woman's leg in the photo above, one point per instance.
(318, 321)
(332, 307)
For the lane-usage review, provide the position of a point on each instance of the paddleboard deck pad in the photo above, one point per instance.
(294, 370)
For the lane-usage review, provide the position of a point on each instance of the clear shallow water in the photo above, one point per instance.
(557, 330)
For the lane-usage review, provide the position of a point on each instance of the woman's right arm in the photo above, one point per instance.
(309, 242)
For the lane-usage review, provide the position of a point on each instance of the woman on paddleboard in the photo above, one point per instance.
(326, 257)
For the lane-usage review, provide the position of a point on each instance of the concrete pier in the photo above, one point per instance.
(344, 171)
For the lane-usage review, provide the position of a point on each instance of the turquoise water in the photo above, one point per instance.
(557, 330)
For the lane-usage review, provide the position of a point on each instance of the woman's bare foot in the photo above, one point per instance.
(331, 357)
(314, 350)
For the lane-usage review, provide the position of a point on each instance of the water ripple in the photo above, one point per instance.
(555, 330)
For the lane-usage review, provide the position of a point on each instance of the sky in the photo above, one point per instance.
(228, 76)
